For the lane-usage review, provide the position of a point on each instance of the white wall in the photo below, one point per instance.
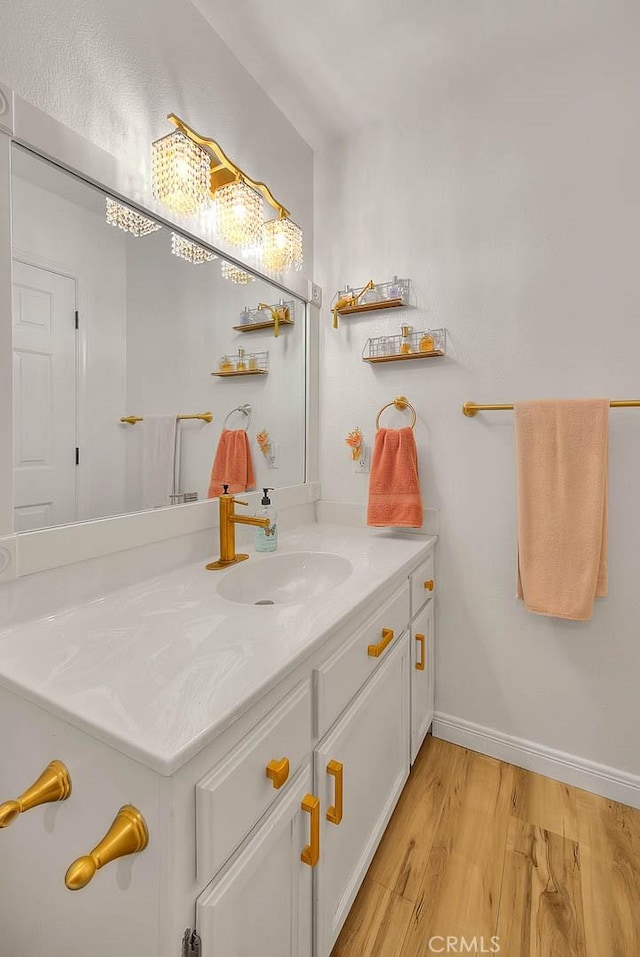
(52, 232)
(510, 197)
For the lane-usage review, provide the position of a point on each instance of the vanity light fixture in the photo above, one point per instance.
(235, 274)
(188, 169)
(192, 252)
(129, 219)
(282, 244)
(180, 173)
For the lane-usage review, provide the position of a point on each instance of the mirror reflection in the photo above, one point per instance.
(146, 370)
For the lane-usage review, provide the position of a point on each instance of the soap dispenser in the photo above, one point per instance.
(267, 538)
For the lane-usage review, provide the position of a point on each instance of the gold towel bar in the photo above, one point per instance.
(472, 408)
(401, 403)
(205, 416)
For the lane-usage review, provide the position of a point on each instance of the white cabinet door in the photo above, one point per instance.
(371, 742)
(260, 904)
(422, 676)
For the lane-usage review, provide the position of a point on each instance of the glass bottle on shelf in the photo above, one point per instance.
(405, 342)
(395, 289)
(245, 317)
(426, 343)
(384, 346)
(253, 363)
(225, 364)
(241, 365)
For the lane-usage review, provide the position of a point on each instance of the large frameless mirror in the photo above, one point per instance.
(138, 358)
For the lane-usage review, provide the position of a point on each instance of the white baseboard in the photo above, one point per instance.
(600, 779)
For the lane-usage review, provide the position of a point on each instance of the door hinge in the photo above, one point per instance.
(77, 455)
(191, 944)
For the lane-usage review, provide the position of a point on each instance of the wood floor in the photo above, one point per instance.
(480, 849)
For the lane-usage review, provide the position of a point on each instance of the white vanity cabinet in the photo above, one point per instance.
(260, 839)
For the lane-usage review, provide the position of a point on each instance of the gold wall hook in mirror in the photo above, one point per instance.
(127, 835)
(54, 784)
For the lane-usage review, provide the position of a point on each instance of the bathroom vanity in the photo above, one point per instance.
(265, 746)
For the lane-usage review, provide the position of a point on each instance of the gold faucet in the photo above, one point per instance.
(228, 522)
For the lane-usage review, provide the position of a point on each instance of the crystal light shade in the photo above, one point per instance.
(128, 219)
(238, 214)
(192, 252)
(282, 245)
(181, 173)
(235, 274)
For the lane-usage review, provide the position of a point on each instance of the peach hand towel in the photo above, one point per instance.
(232, 465)
(394, 488)
(561, 454)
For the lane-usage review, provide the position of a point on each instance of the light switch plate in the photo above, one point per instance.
(315, 294)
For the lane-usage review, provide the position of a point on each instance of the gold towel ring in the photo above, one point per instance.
(401, 403)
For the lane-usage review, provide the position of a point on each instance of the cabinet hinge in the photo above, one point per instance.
(191, 944)
(77, 455)
(77, 316)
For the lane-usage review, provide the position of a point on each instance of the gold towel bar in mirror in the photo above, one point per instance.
(401, 403)
(204, 416)
(472, 408)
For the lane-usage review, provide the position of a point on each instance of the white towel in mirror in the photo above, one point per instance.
(159, 459)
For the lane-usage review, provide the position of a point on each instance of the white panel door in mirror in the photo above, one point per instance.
(44, 400)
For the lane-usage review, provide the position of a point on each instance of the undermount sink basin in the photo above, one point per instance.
(285, 579)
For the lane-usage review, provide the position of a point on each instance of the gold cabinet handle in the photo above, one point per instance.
(334, 814)
(430, 584)
(420, 664)
(374, 651)
(54, 784)
(311, 853)
(278, 771)
(127, 835)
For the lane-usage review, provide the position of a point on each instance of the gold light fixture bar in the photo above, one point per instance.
(203, 416)
(225, 171)
(470, 409)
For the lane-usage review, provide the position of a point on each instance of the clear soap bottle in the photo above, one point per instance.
(405, 342)
(267, 538)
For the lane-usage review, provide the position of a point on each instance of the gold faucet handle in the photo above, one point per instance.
(54, 784)
(237, 501)
(127, 835)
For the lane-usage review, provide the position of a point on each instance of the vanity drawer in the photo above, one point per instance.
(234, 795)
(423, 584)
(340, 678)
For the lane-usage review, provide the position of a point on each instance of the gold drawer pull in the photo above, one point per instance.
(430, 584)
(334, 814)
(311, 853)
(420, 664)
(374, 651)
(127, 835)
(54, 784)
(278, 771)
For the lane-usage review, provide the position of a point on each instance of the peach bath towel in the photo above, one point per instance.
(394, 488)
(233, 465)
(561, 454)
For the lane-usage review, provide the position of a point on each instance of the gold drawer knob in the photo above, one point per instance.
(311, 853)
(430, 584)
(278, 771)
(374, 651)
(54, 784)
(127, 835)
(335, 769)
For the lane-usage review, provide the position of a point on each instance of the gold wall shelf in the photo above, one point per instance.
(400, 358)
(225, 375)
(257, 326)
(372, 306)
(393, 348)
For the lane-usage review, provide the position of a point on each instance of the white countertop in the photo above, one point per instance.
(159, 669)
